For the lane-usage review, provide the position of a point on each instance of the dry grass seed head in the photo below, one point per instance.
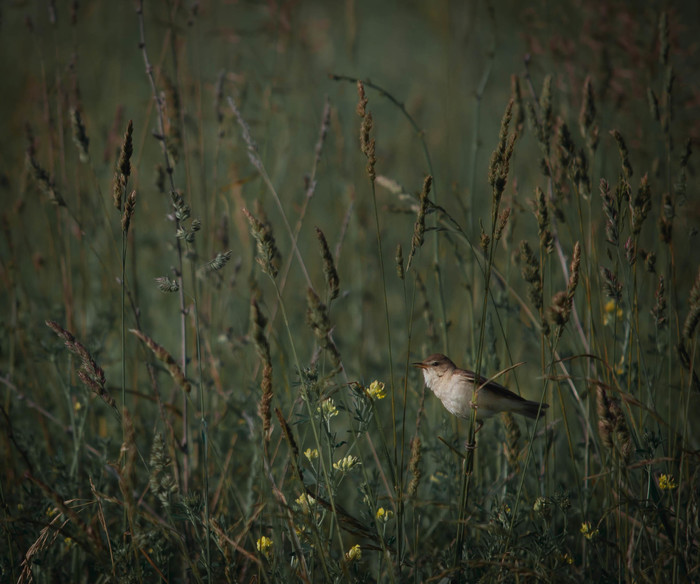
(419, 225)
(502, 223)
(560, 308)
(546, 109)
(624, 154)
(641, 205)
(165, 284)
(80, 138)
(43, 180)
(317, 319)
(90, 373)
(123, 170)
(262, 346)
(606, 424)
(414, 466)
(129, 208)
(362, 99)
(574, 271)
(567, 149)
(518, 106)
(287, 431)
(558, 311)
(622, 432)
(611, 285)
(512, 446)
(542, 214)
(258, 323)
(329, 271)
(484, 239)
(265, 400)
(589, 131)
(268, 255)
(127, 150)
(368, 147)
(531, 273)
(161, 481)
(659, 310)
(166, 358)
(500, 158)
(610, 209)
(218, 261)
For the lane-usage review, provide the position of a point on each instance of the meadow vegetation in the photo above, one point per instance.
(228, 229)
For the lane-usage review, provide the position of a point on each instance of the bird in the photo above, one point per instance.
(454, 387)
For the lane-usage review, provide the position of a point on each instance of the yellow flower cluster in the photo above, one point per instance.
(376, 390)
(311, 454)
(328, 409)
(305, 502)
(384, 515)
(588, 531)
(354, 553)
(666, 482)
(346, 464)
(612, 309)
(264, 546)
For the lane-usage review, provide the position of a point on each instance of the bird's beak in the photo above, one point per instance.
(420, 365)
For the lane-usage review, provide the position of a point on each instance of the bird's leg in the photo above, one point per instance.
(472, 445)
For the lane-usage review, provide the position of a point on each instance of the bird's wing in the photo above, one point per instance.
(496, 388)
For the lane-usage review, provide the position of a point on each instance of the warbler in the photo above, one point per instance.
(455, 388)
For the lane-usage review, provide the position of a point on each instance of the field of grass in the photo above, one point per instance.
(229, 228)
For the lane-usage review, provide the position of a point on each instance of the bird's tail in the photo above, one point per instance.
(531, 408)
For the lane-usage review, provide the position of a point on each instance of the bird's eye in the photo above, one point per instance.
(434, 363)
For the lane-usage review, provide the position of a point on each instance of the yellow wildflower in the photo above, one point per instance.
(264, 546)
(376, 390)
(611, 309)
(328, 409)
(666, 482)
(305, 502)
(384, 515)
(311, 454)
(588, 531)
(354, 553)
(346, 464)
